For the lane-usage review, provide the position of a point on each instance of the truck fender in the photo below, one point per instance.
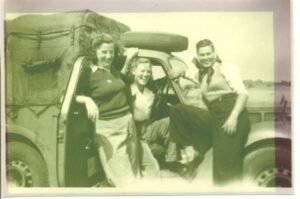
(269, 130)
(21, 132)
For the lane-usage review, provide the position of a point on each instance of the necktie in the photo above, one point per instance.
(203, 71)
(206, 71)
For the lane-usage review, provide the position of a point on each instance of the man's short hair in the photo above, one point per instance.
(203, 43)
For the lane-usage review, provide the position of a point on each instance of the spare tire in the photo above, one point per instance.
(155, 41)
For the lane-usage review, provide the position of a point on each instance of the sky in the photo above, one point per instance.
(245, 39)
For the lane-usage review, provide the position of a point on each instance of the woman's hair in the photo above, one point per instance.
(135, 62)
(138, 60)
(100, 39)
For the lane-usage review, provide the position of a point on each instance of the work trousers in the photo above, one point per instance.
(118, 150)
(227, 150)
(157, 135)
(191, 126)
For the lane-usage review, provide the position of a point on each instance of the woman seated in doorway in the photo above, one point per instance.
(154, 134)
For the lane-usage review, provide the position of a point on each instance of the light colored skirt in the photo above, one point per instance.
(117, 146)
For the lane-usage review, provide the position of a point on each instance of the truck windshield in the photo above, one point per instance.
(188, 90)
(177, 65)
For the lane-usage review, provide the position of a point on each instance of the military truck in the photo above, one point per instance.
(49, 138)
(48, 141)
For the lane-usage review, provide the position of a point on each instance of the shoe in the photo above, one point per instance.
(103, 183)
(177, 167)
(192, 167)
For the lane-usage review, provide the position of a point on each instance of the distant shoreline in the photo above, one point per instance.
(265, 84)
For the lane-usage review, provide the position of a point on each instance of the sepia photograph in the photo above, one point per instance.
(146, 98)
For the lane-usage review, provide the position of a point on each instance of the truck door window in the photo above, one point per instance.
(158, 72)
(159, 77)
(164, 93)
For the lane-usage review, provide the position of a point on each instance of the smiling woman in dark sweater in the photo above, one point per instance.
(105, 97)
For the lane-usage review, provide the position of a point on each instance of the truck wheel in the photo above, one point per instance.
(155, 41)
(269, 166)
(25, 166)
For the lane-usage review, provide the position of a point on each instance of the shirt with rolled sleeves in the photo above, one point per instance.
(226, 79)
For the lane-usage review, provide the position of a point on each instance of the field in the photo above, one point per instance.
(269, 96)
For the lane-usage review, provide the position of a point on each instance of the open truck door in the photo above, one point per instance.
(77, 157)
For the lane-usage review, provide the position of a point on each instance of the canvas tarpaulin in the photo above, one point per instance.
(41, 51)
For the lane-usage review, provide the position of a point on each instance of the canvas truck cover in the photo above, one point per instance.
(41, 51)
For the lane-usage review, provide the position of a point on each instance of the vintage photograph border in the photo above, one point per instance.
(283, 28)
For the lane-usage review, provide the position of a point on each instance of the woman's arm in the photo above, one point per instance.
(126, 76)
(82, 92)
(130, 54)
(90, 105)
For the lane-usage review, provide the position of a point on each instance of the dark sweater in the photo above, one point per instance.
(107, 90)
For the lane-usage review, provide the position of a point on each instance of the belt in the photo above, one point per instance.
(221, 98)
(226, 96)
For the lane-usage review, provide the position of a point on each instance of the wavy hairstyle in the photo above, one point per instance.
(100, 39)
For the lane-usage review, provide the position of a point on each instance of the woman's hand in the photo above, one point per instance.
(131, 52)
(230, 125)
(91, 107)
